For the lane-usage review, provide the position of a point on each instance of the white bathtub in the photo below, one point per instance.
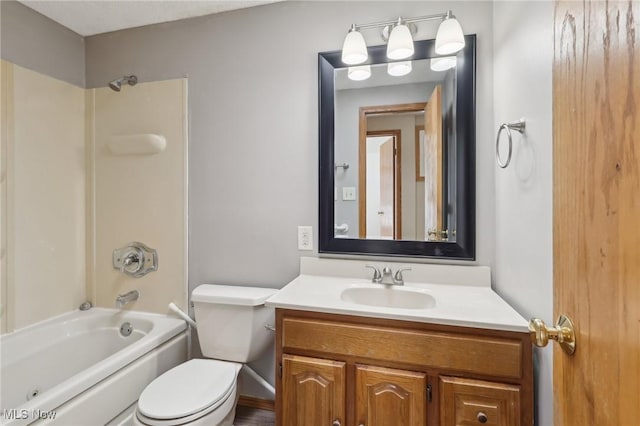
(77, 368)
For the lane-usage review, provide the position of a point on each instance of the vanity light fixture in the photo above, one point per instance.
(443, 63)
(449, 38)
(400, 44)
(398, 69)
(354, 49)
(359, 73)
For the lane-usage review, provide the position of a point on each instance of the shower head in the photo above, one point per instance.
(116, 84)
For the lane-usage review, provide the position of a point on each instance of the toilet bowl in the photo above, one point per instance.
(198, 392)
(231, 329)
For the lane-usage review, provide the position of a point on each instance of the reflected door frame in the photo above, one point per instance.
(362, 152)
(396, 134)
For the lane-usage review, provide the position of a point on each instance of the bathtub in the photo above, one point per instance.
(80, 369)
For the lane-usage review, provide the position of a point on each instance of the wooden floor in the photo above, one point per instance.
(246, 416)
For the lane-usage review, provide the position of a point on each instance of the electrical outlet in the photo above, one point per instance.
(305, 238)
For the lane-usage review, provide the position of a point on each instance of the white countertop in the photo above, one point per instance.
(462, 305)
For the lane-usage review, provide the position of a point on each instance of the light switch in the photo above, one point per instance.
(349, 193)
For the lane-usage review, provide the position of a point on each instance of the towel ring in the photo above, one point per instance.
(519, 127)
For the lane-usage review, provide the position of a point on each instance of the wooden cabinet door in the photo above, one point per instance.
(389, 397)
(466, 402)
(313, 391)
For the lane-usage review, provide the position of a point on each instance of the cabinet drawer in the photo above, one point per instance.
(466, 402)
(448, 351)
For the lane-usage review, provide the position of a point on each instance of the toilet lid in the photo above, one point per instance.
(188, 389)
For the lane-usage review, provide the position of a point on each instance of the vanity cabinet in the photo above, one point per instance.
(342, 370)
(314, 390)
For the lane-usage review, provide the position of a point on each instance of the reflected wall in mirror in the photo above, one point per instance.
(410, 142)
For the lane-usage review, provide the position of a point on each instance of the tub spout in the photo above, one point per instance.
(123, 299)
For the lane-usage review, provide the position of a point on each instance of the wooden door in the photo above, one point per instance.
(313, 391)
(596, 229)
(467, 402)
(433, 166)
(387, 193)
(389, 397)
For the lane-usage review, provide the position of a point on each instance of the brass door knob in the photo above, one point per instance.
(563, 333)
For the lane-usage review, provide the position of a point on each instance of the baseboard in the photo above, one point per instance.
(263, 404)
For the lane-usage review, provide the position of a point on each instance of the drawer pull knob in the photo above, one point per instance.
(336, 422)
(482, 417)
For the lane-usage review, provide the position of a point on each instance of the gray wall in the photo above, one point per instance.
(34, 41)
(524, 242)
(253, 122)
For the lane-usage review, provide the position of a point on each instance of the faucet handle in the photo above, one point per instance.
(377, 277)
(135, 259)
(398, 276)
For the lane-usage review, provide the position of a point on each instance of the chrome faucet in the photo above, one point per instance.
(123, 299)
(387, 276)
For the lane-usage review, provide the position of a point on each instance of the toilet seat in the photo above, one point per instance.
(187, 392)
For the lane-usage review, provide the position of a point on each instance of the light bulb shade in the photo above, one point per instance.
(398, 69)
(359, 73)
(442, 64)
(354, 49)
(400, 45)
(449, 38)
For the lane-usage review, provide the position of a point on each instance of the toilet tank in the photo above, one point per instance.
(231, 321)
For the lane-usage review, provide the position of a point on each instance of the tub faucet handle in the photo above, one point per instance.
(135, 259)
(130, 258)
(131, 261)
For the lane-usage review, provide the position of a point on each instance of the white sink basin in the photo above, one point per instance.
(436, 294)
(389, 297)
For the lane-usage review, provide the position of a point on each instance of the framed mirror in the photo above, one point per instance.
(397, 154)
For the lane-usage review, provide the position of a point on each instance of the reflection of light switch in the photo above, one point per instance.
(349, 193)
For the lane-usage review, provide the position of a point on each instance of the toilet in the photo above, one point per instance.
(231, 330)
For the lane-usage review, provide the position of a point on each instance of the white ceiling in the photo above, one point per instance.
(89, 17)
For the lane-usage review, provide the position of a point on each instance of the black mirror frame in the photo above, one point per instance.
(464, 246)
